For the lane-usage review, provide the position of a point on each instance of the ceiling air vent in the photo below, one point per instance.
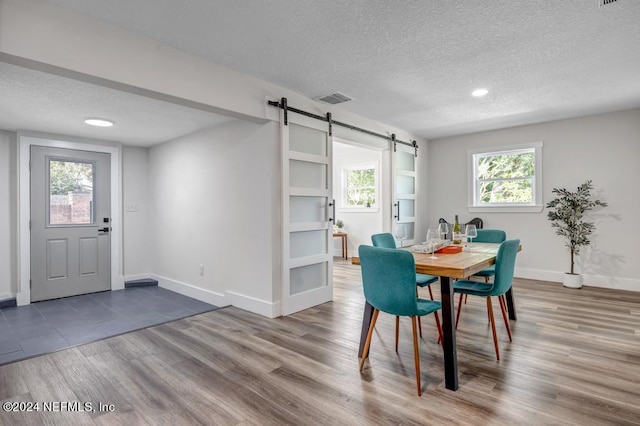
(334, 98)
(606, 2)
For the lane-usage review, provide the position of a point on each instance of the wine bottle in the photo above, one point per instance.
(456, 232)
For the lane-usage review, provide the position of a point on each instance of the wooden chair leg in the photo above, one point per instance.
(416, 355)
(493, 326)
(430, 292)
(503, 307)
(367, 344)
(397, 331)
(419, 322)
(459, 309)
(466, 296)
(440, 339)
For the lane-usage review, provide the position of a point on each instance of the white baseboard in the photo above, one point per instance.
(611, 282)
(251, 304)
(587, 279)
(7, 296)
(538, 274)
(198, 293)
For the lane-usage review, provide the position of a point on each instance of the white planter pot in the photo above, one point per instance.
(572, 280)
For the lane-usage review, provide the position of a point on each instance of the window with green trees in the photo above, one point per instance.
(506, 177)
(70, 177)
(360, 189)
(70, 192)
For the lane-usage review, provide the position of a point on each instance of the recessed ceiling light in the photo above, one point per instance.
(478, 93)
(98, 122)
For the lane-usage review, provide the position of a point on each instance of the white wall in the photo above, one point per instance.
(604, 148)
(137, 247)
(212, 197)
(358, 225)
(7, 215)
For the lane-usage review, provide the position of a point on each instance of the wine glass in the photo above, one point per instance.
(443, 230)
(401, 233)
(471, 232)
(432, 239)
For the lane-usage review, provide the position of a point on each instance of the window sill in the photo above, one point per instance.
(359, 210)
(505, 209)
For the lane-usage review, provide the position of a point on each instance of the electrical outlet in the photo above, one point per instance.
(201, 269)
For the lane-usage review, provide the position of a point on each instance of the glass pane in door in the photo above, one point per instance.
(307, 243)
(308, 277)
(405, 231)
(405, 161)
(303, 174)
(71, 197)
(407, 209)
(307, 209)
(405, 184)
(307, 140)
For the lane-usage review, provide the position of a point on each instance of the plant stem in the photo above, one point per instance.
(572, 261)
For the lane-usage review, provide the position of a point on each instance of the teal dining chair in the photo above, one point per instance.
(386, 240)
(504, 269)
(388, 280)
(489, 236)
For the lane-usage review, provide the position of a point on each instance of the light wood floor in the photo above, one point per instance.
(575, 359)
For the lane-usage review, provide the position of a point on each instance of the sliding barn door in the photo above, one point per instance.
(404, 196)
(307, 213)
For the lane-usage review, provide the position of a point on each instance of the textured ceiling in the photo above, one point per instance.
(413, 64)
(44, 102)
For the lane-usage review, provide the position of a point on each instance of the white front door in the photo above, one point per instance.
(307, 214)
(70, 222)
(404, 190)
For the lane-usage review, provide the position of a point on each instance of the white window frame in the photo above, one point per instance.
(344, 169)
(473, 201)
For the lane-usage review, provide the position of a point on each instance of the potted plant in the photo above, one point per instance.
(567, 216)
(339, 226)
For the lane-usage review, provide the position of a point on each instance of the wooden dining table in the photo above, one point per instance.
(457, 265)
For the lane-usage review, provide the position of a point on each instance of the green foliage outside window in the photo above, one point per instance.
(506, 178)
(360, 185)
(68, 176)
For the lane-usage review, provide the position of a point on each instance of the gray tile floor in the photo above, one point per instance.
(52, 325)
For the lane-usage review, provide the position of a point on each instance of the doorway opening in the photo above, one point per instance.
(361, 191)
(26, 142)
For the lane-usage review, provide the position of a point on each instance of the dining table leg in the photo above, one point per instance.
(366, 321)
(449, 335)
(511, 305)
